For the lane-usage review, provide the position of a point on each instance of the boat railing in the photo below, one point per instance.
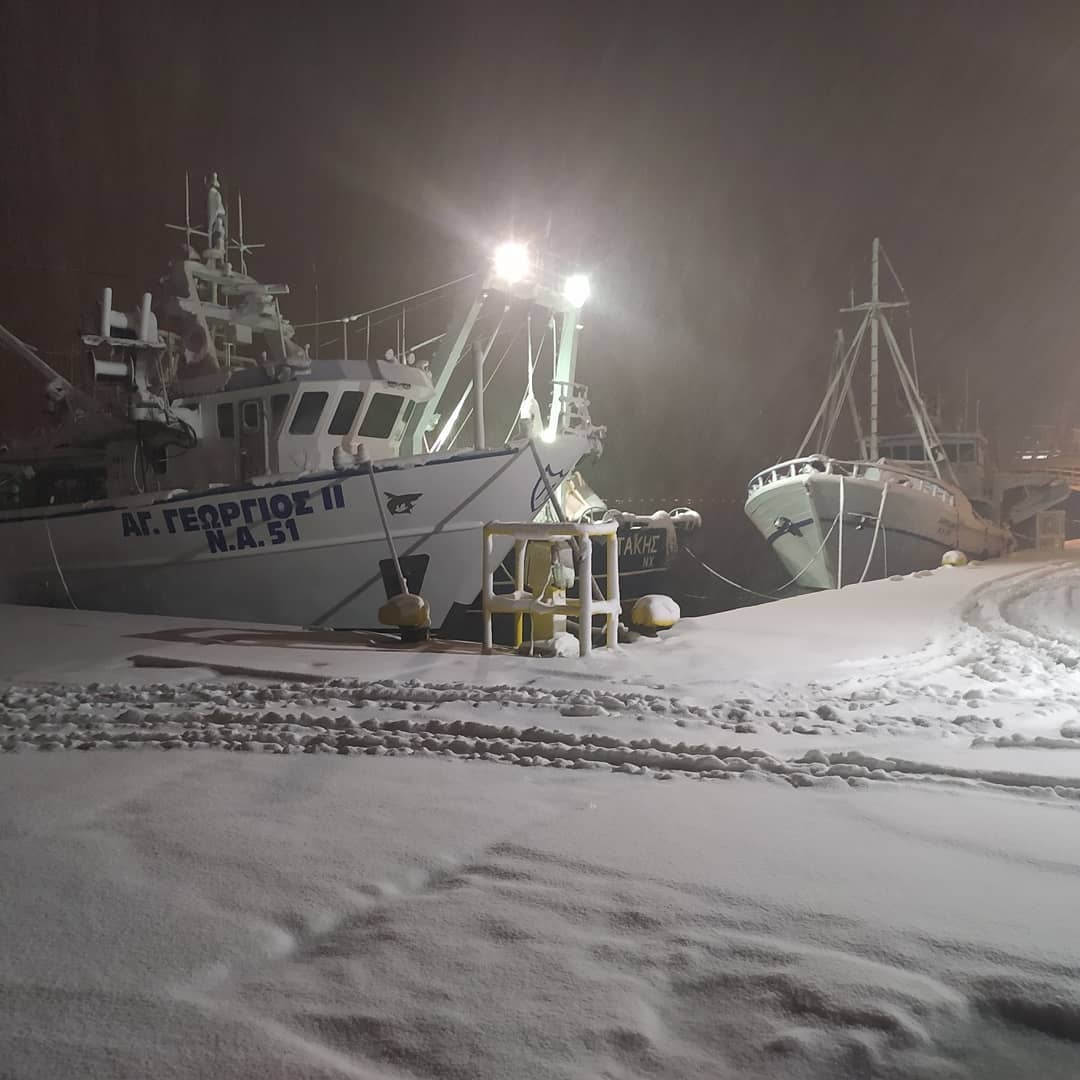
(868, 470)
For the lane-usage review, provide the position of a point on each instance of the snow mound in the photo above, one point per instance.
(655, 612)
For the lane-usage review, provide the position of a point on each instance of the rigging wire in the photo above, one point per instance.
(393, 304)
(911, 331)
(394, 316)
(440, 440)
(482, 321)
(487, 382)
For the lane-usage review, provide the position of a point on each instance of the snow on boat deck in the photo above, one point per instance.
(885, 886)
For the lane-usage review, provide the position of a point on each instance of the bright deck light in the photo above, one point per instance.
(512, 261)
(577, 289)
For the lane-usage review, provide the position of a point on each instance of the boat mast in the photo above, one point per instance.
(874, 349)
(839, 390)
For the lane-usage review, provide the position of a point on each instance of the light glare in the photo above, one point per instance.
(577, 289)
(512, 262)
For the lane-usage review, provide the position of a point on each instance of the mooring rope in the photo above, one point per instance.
(59, 571)
(787, 584)
(877, 529)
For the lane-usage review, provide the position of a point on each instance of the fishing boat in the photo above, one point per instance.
(218, 470)
(901, 501)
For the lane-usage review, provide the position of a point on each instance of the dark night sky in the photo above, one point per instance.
(722, 168)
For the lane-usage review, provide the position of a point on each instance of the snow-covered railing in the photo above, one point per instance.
(868, 470)
(520, 602)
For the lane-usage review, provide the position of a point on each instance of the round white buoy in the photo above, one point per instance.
(655, 612)
(954, 558)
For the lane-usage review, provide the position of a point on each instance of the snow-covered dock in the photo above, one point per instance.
(885, 885)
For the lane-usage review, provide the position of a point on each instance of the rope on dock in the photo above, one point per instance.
(754, 592)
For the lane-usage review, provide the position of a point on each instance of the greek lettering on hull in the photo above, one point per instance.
(227, 524)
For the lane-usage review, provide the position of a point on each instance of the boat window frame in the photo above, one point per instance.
(226, 408)
(384, 430)
(348, 418)
(247, 428)
(316, 420)
(279, 412)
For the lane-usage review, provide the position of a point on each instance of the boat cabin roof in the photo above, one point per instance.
(401, 376)
(959, 447)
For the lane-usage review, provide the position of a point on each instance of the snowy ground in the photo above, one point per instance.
(885, 885)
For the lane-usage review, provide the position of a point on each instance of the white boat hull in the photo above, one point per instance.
(799, 516)
(308, 552)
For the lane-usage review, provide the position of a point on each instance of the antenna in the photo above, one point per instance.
(239, 244)
(315, 282)
(240, 230)
(186, 228)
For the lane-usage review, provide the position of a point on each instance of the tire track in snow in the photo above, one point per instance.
(55, 719)
(1009, 650)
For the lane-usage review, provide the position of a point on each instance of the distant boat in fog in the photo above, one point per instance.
(901, 501)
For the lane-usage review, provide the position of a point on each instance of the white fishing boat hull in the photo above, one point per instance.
(797, 508)
(307, 551)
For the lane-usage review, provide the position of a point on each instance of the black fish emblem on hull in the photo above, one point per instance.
(401, 504)
(539, 491)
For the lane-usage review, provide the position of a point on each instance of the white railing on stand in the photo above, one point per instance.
(521, 602)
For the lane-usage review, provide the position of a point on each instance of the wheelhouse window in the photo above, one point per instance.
(898, 453)
(226, 420)
(306, 418)
(967, 451)
(345, 413)
(279, 405)
(407, 415)
(381, 416)
(249, 416)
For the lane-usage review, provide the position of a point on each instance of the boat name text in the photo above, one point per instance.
(227, 525)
